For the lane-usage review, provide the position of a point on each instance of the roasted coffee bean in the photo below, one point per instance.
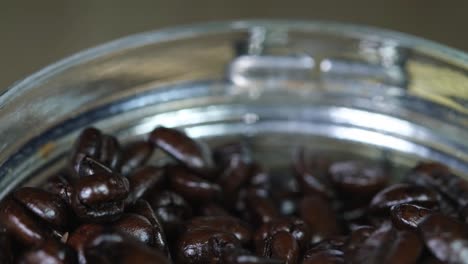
(21, 224)
(47, 206)
(81, 237)
(387, 245)
(260, 179)
(88, 143)
(100, 197)
(136, 226)
(241, 256)
(192, 154)
(229, 224)
(311, 175)
(336, 243)
(110, 153)
(192, 187)
(213, 209)
(283, 246)
(205, 245)
(87, 166)
(295, 226)
(6, 253)
(408, 215)
(134, 155)
(143, 180)
(172, 210)
(260, 209)
(356, 239)
(403, 193)
(60, 186)
(326, 256)
(445, 237)
(110, 247)
(358, 178)
(143, 208)
(222, 155)
(319, 216)
(236, 174)
(50, 252)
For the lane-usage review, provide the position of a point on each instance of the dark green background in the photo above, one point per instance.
(36, 33)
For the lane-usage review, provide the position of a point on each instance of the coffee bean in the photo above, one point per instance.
(20, 223)
(229, 224)
(387, 245)
(143, 180)
(445, 237)
(192, 154)
(408, 215)
(110, 247)
(403, 193)
(358, 178)
(110, 152)
(320, 217)
(134, 155)
(50, 252)
(192, 187)
(205, 245)
(47, 206)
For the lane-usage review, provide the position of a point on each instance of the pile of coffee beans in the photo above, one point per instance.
(112, 204)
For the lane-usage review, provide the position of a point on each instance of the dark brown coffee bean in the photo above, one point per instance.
(205, 245)
(358, 178)
(194, 155)
(50, 252)
(229, 224)
(319, 216)
(81, 237)
(284, 246)
(311, 175)
(143, 208)
(223, 154)
(60, 186)
(87, 166)
(110, 153)
(295, 226)
(326, 256)
(100, 197)
(20, 223)
(356, 239)
(88, 143)
(260, 209)
(236, 174)
(213, 209)
(136, 226)
(110, 247)
(403, 193)
(241, 256)
(408, 215)
(6, 253)
(192, 187)
(172, 210)
(336, 243)
(47, 206)
(144, 179)
(445, 237)
(134, 155)
(387, 245)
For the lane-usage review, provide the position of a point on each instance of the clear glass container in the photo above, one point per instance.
(335, 88)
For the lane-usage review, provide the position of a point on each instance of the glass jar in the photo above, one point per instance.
(335, 88)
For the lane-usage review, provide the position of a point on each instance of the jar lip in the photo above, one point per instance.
(187, 31)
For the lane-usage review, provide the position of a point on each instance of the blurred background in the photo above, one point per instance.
(36, 33)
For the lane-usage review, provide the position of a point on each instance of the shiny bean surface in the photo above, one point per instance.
(195, 155)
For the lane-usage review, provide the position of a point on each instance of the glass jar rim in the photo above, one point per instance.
(200, 29)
